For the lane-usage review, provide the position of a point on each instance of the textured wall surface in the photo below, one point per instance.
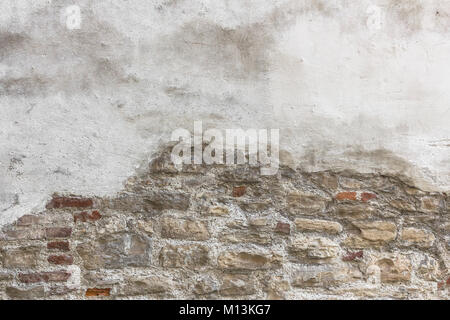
(358, 89)
(360, 85)
(221, 232)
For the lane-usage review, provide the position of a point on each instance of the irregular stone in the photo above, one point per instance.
(413, 191)
(394, 269)
(377, 231)
(25, 233)
(403, 205)
(60, 290)
(419, 237)
(25, 294)
(58, 218)
(316, 248)
(205, 285)
(5, 276)
(246, 236)
(428, 269)
(162, 164)
(164, 200)
(357, 242)
(147, 285)
(430, 204)
(277, 288)
(240, 174)
(125, 250)
(183, 229)
(350, 183)
(305, 203)
(20, 258)
(116, 251)
(242, 260)
(218, 211)
(258, 222)
(254, 206)
(28, 220)
(446, 227)
(112, 224)
(193, 256)
(317, 225)
(373, 274)
(355, 212)
(90, 255)
(237, 285)
(324, 276)
(103, 278)
(146, 226)
(238, 223)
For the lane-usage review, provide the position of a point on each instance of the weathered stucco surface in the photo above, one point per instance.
(354, 86)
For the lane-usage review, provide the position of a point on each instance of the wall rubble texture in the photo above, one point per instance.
(228, 232)
(358, 89)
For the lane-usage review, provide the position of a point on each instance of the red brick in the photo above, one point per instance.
(70, 202)
(95, 215)
(60, 260)
(366, 196)
(283, 228)
(57, 232)
(84, 216)
(352, 256)
(96, 292)
(58, 245)
(346, 196)
(55, 276)
(239, 191)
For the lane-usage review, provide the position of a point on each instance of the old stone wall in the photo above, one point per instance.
(227, 232)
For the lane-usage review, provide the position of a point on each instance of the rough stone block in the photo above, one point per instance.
(242, 260)
(418, 237)
(184, 229)
(237, 285)
(317, 225)
(192, 256)
(20, 258)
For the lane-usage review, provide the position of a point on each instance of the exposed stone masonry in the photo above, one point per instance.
(227, 232)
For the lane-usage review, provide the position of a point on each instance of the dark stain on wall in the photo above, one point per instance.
(238, 52)
(47, 57)
(405, 16)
